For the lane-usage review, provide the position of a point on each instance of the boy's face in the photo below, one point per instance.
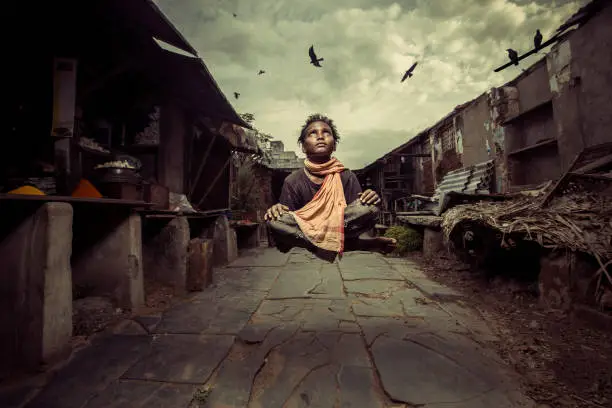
(319, 140)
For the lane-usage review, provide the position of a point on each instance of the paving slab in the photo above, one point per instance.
(233, 383)
(232, 280)
(140, 394)
(310, 314)
(91, 370)
(429, 377)
(435, 290)
(181, 358)
(212, 314)
(359, 265)
(260, 257)
(286, 368)
(291, 330)
(359, 388)
(308, 281)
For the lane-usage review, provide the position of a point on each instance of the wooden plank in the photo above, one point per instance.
(69, 199)
(528, 149)
(201, 167)
(561, 181)
(199, 268)
(594, 165)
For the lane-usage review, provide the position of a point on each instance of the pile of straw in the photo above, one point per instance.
(578, 221)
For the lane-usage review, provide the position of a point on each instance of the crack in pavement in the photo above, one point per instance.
(264, 361)
(302, 379)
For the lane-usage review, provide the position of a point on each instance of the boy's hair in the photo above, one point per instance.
(317, 117)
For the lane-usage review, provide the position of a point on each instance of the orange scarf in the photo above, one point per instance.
(322, 219)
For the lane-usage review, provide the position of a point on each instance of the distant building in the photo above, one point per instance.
(282, 160)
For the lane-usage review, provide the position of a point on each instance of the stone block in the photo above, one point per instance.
(36, 285)
(433, 243)
(225, 246)
(108, 255)
(165, 246)
(200, 271)
(555, 280)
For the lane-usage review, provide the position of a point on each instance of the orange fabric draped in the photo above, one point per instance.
(322, 219)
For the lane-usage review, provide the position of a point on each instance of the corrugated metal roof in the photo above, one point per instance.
(475, 179)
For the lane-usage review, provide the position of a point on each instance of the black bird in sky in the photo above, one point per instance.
(261, 71)
(313, 57)
(537, 40)
(409, 72)
(235, 15)
(236, 95)
(513, 55)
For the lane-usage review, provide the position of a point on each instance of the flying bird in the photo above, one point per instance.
(537, 40)
(236, 95)
(409, 72)
(235, 15)
(313, 57)
(513, 55)
(261, 71)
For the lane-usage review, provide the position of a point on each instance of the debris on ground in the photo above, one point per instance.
(93, 314)
(562, 362)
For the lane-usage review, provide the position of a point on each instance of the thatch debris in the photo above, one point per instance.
(578, 218)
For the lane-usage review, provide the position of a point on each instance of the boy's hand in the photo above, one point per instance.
(275, 211)
(369, 197)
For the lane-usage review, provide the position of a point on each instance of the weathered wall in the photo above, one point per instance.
(475, 134)
(565, 102)
(172, 128)
(581, 80)
(592, 62)
(447, 154)
(533, 88)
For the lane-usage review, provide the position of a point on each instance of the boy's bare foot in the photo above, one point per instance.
(383, 245)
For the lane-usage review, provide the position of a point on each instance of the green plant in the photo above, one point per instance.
(408, 239)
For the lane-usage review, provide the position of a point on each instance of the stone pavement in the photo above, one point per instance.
(287, 330)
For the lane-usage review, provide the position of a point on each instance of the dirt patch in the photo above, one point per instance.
(94, 314)
(562, 361)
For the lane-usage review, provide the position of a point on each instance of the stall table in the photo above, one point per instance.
(48, 246)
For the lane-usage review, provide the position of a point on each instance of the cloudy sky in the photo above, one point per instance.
(367, 46)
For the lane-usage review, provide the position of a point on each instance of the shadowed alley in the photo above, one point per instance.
(287, 330)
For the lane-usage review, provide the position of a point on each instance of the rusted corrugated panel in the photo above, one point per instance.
(475, 179)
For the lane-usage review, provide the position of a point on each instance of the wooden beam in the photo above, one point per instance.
(100, 82)
(214, 182)
(202, 163)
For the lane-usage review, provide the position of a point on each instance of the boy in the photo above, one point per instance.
(312, 211)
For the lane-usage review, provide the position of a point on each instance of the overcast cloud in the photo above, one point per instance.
(367, 46)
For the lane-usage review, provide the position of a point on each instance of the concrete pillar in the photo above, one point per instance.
(165, 245)
(111, 265)
(35, 285)
(433, 243)
(225, 247)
